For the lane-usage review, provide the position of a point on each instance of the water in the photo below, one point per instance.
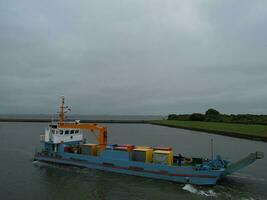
(21, 178)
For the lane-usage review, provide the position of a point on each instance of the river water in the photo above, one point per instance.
(21, 178)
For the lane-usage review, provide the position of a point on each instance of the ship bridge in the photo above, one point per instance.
(57, 135)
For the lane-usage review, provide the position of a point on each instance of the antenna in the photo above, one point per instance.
(63, 110)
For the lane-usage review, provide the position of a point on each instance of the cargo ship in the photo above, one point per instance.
(64, 143)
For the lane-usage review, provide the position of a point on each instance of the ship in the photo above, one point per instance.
(63, 142)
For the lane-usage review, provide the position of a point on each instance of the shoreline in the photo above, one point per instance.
(217, 132)
(152, 122)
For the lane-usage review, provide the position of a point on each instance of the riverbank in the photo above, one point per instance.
(247, 131)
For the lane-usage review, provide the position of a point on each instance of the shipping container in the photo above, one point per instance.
(162, 148)
(100, 149)
(163, 157)
(142, 154)
(128, 147)
(121, 148)
(89, 149)
(142, 147)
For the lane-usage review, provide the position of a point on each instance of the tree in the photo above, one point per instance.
(172, 117)
(212, 115)
(212, 112)
(197, 117)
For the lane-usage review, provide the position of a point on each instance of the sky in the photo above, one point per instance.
(125, 57)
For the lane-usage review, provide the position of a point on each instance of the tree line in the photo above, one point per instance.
(212, 115)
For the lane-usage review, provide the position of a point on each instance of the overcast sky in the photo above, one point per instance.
(133, 57)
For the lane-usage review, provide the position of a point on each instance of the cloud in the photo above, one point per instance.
(133, 57)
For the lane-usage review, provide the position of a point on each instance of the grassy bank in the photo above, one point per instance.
(255, 132)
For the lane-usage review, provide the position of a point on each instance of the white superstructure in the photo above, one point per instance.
(57, 135)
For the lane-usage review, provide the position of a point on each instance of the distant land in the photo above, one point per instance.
(212, 115)
(246, 126)
(83, 118)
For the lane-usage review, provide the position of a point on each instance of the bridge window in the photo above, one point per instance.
(76, 131)
(72, 132)
(61, 132)
(66, 132)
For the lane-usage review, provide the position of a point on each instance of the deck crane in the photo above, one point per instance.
(102, 136)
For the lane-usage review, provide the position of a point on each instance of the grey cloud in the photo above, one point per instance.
(133, 57)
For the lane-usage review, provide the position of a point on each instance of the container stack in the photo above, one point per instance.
(124, 147)
(163, 155)
(89, 149)
(142, 154)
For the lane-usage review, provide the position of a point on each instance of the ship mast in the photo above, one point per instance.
(62, 110)
(102, 137)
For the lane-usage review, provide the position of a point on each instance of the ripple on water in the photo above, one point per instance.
(195, 190)
(232, 189)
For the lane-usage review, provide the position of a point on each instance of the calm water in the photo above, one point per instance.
(20, 178)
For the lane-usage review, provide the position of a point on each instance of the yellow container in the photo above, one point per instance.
(142, 147)
(142, 154)
(99, 149)
(163, 157)
(90, 149)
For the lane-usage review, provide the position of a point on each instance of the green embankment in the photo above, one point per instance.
(257, 132)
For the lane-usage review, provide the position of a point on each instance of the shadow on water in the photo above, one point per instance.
(105, 185)
(94, 184)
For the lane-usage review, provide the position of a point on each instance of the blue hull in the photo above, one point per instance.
(181, 174)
